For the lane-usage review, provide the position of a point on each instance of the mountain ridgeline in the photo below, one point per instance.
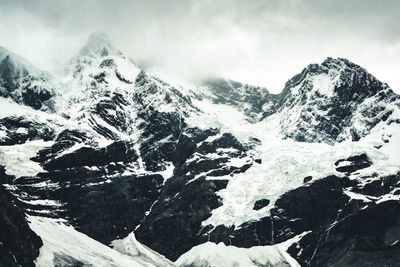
(112, 150)
(323, 103)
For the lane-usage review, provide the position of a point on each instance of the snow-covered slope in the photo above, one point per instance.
(211, 254)
(125, 160)
(64, 246)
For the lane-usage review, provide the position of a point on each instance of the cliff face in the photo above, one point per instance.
(19, 244)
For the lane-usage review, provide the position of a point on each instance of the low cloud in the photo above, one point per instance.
(259, 42)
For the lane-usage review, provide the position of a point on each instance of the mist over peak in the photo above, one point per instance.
(98, 42)
(260, 43)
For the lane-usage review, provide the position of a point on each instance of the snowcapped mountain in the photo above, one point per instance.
(116, 167)
(334, 101)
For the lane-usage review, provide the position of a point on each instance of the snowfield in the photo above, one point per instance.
(72, 247)
(285, 163)
(17, 158)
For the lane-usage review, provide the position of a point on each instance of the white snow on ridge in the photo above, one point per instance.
(131, 247)
(61, 239)
(211, 254)
(10, 108)
(127, 69)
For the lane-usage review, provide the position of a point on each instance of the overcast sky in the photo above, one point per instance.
(258, 42)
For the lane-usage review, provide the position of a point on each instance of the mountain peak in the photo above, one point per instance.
(338, 70)
(98, 43)
(11, 68)
(340, 64)
(3, 52)
(329, 63)
(339, 60)
(329, 97)
(96, 38)
(6, 65)
(11, 60)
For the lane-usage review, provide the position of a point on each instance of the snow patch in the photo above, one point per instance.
(21, 131)
(17, 158)
(131, 247)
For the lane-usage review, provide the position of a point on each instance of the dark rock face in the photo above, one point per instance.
(20, 129)
(308, 207)
(259, 204)
(19, 245)
(5, 178)
(173, 225)
(366, 238)
(34, 96)
(94, 186)
(353, 163)
(64, 140)
(248, 234)
(102, 203)
(89, 156)
(112, 209)
(378, 187)
(363, 233)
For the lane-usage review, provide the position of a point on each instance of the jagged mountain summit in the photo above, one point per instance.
(24, 83)
(98, 43)
(334, 101)
(125, 169)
